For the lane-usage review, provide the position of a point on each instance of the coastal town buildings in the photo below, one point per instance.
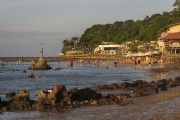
(168, 43)
(170, 39)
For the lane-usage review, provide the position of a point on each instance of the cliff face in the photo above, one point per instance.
(40, 64)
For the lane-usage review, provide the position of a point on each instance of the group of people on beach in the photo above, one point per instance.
(137, 62)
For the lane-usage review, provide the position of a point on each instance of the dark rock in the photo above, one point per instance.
(57, 95)
(152, 82)
(20, 101)
(84, 94)
(161, 83)
(124, 85)
(10, 95)
(32, 75)
(59, 99)
(170, 83)
(103, 87)
(111, 97)
(114, 86)
(145, 90)
(164, 84)
(177, 81)
(138, 83)
(124, 96)
(24, 71)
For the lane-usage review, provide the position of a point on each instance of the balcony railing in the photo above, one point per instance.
(172, 45)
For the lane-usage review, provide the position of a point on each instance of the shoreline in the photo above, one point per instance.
(152, 100)
(162, 106)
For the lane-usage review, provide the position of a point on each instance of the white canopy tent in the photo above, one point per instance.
(142, 54)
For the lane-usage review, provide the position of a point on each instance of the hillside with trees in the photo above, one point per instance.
(144, 30)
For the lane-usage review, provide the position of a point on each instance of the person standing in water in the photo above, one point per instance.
(115, 63)
(71, 63)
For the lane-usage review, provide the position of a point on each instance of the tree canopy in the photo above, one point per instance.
(177, 5)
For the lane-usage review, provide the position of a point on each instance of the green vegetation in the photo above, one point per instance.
(177, 5)
(120, 31)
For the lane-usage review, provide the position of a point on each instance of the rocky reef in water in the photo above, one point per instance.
(40, 64)
(59, 98)
(142, 88)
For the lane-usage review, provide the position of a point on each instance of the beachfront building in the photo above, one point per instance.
(161, 46)
(108, 49)
(143, 48)
(170, 39)
(172, 43)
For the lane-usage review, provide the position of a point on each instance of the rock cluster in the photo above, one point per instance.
(40, 64)
(55, 97)
(142, 88)
(58, 98)
(177, 81)
(19, 101)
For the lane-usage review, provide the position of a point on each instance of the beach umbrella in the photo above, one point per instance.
(148, 54)
(129, 55)
(155, 52)
(139, 54)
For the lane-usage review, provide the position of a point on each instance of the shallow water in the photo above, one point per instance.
(80, 76)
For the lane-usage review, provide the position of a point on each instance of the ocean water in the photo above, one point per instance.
(80, 76)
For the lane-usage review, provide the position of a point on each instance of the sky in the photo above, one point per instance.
(24, 24)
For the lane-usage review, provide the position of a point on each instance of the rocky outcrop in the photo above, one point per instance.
(122, 86)
(20, 101)
(165, 83)
(138, 83)
(40, 64)
(125, 85)
(10, 95)
(144, 90)
(83, 94)
(54, 98)
(177, 81)
(141, 87)
(58, 98)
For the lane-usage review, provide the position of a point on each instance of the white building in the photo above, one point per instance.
(108, 49)
(161, 45)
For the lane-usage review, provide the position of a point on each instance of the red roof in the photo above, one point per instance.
(172, 36)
